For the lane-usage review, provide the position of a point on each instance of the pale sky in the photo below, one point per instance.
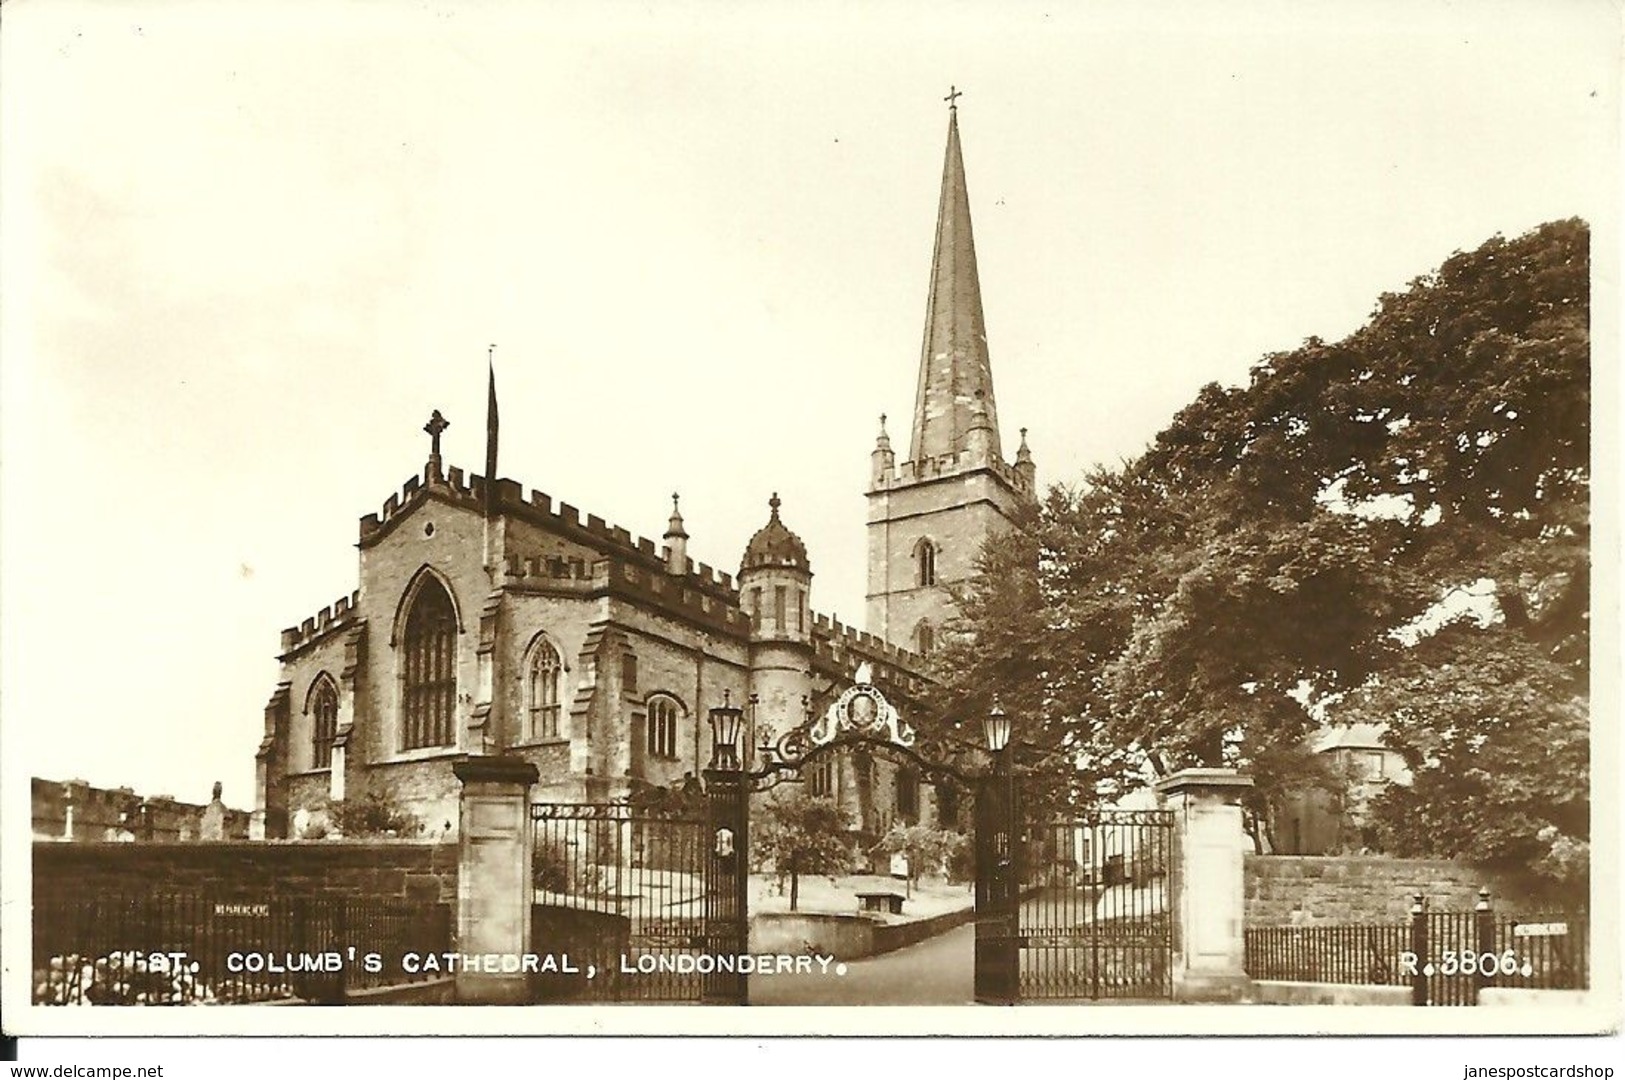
(246, 250)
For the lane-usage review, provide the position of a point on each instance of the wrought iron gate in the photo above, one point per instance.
(619, 902)
(1093, 918)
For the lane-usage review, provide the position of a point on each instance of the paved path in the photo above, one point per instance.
(936, 971)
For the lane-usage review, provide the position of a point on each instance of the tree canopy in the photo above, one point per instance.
(1296, 550)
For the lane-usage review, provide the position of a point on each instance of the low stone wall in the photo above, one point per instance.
(1301, 993)
(844, 936)
(847, 937)
(1306, 890)
(897, 935)
(418, 869)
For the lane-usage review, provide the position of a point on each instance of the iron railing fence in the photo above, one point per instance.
(619, 893)
(161, 948)
(1445, 957)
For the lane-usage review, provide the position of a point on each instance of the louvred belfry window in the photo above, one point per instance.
(429, 685)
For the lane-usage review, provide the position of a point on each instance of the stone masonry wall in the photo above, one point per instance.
(1306, 890)
(249, 870)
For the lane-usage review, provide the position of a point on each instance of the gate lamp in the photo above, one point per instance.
(996, 727)
(725, 722)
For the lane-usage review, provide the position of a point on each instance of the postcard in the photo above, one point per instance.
(559, 519)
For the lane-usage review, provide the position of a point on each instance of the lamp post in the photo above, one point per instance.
(998, 946)
(726, 795)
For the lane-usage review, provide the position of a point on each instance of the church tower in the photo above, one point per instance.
(929, 515)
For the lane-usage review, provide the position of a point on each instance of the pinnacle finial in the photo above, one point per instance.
(883, 440)
(773, 504)
(674, 527)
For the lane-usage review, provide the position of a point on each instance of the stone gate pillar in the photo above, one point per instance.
(1208, 894)
(494, 879)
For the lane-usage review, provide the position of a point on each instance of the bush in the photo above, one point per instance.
(372, 815)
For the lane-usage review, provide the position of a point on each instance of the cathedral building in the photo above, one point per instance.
(489, 619)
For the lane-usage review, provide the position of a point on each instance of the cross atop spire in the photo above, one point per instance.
(953, 95)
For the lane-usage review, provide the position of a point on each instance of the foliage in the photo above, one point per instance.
(928, 850)
(557, 867)
(372, 815)
(1278, 557)
(1496, 735)
(684, 799)
(801, 834)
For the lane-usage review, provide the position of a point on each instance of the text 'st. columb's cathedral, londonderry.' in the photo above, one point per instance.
(492, 621)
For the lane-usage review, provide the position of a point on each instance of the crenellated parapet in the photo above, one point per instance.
(841, 648)
(336, 616)
(943, 466)
(703, 596)
(539, 508)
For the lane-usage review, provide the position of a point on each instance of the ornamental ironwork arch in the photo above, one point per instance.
(860, 718)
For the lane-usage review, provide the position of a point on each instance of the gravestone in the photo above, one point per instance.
(213, 826)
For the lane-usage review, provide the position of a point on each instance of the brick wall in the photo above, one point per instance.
(1305, 890)
(247, 870)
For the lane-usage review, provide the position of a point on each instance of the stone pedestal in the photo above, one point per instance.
(1208, 897)
(494, 878)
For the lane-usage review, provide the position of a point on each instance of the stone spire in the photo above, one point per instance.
(954, 366)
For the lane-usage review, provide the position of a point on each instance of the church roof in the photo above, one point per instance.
(775, 545)
(956, 378)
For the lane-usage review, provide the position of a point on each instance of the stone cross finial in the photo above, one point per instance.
(953, 94)
(434, 427)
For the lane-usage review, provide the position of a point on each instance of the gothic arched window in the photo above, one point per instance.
(324, 711)
(925, 638)
(429, 675)
(542, 691)
(925, 563)
(662, 722)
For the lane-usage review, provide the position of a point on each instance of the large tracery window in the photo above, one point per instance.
(543, 691)
(429, 682)
(324, 711)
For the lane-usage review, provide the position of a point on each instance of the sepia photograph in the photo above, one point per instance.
(1068, 521)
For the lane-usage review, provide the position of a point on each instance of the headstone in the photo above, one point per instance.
(213, 826)
(899, 864)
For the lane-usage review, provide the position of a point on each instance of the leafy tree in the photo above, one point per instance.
(1279, 554)
(927, 849)
(1497, 737)
(801, 834)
